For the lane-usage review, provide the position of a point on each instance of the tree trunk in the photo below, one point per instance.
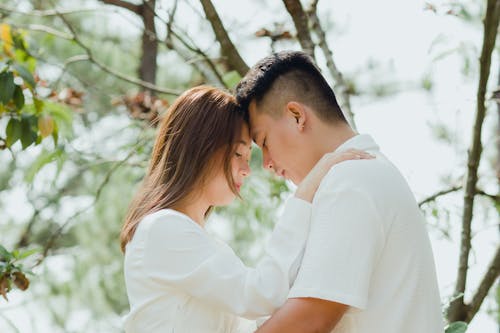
(148, 65)
(458, 310)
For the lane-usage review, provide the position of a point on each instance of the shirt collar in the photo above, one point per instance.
(361, 142)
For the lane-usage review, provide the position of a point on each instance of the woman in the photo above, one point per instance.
(178, 277)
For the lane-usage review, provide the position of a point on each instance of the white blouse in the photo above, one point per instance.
(181, 279)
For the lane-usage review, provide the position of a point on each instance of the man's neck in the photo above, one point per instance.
(330, 137)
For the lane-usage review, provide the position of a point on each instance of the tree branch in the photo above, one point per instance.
(111, 71)
(439, 194)
(124, 4)
(494, 198)
(457, 309)
(51, 242)
(488, 280)
(228, 49)
(46, 13)
(301, 22)
(208, 72)
(149, 47)
(340, 84)
(44, 29)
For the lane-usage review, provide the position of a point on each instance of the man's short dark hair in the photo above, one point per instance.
(298, 76)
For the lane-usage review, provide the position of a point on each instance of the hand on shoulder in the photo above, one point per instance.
(307, 188)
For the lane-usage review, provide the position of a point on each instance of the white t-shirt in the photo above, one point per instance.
(368, 248)
(180, 279)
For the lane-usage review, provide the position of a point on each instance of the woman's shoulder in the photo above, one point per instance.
(168, 226)
(167, 220)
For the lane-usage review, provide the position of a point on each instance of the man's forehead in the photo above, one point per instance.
(253, 117)
(254, 133)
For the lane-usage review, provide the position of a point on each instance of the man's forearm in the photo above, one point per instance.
(304, 315)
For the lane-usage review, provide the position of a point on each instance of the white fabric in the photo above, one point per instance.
(368, 248)
(180, 279)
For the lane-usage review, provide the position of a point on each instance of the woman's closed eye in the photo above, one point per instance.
(243, 155)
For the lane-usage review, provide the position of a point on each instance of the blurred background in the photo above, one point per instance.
(83, 83)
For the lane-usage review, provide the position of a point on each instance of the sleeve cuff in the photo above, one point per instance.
(351, 300)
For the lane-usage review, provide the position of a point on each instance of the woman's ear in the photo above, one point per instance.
(298, 113)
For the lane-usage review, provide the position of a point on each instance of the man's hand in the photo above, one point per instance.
(303, 315)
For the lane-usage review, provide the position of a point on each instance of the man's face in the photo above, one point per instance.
(282, 144)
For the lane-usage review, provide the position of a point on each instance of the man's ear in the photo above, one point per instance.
(298, 112)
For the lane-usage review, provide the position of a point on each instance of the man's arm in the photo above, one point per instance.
(303, 315)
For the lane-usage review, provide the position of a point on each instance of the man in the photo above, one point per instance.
(368, 264)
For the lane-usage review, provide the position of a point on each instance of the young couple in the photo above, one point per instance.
(349, 254)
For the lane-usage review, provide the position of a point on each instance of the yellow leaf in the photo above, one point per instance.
(46, 125)
(6, 37)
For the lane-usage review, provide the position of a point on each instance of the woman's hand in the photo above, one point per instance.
(307, 188)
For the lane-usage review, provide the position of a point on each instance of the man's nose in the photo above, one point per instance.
(267, 162)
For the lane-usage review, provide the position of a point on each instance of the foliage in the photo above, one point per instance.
(29, 116)
(12, 271)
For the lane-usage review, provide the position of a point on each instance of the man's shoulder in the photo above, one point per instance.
(356, 171)
(375, 176)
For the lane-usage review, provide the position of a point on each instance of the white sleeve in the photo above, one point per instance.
(180, 254)
(345, 240)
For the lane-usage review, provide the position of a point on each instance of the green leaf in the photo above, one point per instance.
(19, 98)
(5, 254)
(28, 253)
(42, 160)
(13, 131)
(28, 135)
(31, 63)
(39, 104)
(7, 87)
(20, 44)
(25, 74)
(55, 134)
(62, 116)
(456, 327)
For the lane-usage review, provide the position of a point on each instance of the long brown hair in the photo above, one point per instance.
(201, 124)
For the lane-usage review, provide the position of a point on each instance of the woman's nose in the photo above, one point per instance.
(245, 169)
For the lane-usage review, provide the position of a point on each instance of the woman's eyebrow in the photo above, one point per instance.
(249, 145)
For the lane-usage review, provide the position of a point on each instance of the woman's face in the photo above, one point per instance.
(218, 192)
